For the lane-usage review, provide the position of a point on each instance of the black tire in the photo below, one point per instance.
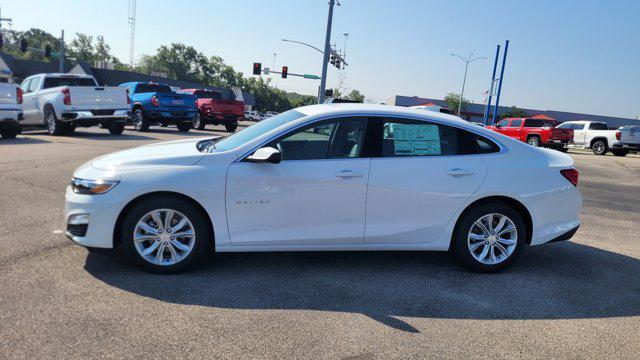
(231, 127)
(563, 149)
(54, 126)
(10, 130)
(599, 147)
(116, 128)
(534, 141)
(139, 122)
(198, 123)
(184, 126)
(203, 242)
(620, 152)
(461, 247)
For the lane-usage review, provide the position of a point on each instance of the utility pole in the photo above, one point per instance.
(132, 23)
(325, 57)
(1, 20)
(464, 81)
(62, 52)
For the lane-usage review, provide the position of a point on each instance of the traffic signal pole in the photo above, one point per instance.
(504, 60)
(325, 55)
(493, 79)
(62, 52)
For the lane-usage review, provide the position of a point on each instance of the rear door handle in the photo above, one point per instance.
(459, 172)
(349, 174)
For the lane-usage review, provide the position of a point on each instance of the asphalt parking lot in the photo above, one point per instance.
(577, 299)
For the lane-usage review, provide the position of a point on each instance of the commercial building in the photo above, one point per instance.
(475, 112)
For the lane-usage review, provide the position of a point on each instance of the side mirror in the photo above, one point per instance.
(265, 155)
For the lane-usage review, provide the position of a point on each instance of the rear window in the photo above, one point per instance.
(598, 126)
(52, 82)
(153, 88)
(533, 123)
(203, 94)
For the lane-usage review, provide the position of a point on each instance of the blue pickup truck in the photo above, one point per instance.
(153, 103)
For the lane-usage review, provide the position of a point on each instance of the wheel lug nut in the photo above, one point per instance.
(168, 230)
(173, 238)
(157, 239)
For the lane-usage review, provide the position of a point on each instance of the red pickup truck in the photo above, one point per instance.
(213, 109)
(535, 132)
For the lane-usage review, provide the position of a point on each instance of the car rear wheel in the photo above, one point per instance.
(489, 237)
(231, 127)
(10, 130)
(198, 123)
(164, 235)
(54, 127)
(599, 147)
(184, 126)
(533, 141)
(563, 149)
(139, 122)
(621, 152)
(116, 128)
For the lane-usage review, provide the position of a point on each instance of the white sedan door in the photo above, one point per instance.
(425, 173)
(315, 196)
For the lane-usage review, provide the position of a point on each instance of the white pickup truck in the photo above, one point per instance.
(64, 101)
(596, 136)
(10, 110)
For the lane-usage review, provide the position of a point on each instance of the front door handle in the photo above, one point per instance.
(349, 174)
(459, 172)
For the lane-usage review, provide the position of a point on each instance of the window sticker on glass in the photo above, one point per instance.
(416, 140)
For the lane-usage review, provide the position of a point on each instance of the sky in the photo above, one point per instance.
(579, 56)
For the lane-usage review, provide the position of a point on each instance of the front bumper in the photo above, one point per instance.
(95, 229)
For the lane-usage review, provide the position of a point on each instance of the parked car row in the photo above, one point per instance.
(62, 102)
(571, 134)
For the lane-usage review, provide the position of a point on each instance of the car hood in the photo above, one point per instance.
(170, 153)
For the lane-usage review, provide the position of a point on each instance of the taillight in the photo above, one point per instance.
(67, 96)
(154, 101)
(128, 98)
(571, 175)
(19, 95)
(618, 135)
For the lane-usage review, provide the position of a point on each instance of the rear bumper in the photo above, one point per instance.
(631, 147)
(566, 236)
(171, 116)
(222, 118)
(95, 116)
(10, 115)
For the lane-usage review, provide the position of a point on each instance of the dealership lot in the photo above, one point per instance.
(572, 299)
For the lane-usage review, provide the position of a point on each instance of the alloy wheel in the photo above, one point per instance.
(51, 123)
(492, 239)
(164, 237)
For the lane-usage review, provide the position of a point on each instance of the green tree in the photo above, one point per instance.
(36, 38)
(453, 101)
(356, 96)
(514, 112)
(81, 48)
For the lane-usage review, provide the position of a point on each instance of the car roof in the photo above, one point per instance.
(63, 75)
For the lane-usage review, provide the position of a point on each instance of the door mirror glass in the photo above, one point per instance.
(265, 155)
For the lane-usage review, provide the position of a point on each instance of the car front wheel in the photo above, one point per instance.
(489, 237)
(534, 141)
(165, 235)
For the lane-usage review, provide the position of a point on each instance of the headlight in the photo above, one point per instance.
(92, 187)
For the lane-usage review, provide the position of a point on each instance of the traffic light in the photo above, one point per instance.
(328, 93)
(285, 71)
(23, 45)
(47, 51)
(338, 63)
(257, 68)
(332, 59)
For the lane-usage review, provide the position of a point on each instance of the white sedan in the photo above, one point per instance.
(328, 178)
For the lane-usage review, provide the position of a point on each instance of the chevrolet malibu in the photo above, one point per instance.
(344, 177)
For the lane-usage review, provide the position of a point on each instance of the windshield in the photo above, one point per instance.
(253, 131)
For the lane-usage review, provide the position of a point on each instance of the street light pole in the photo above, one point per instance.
(325, 57)
(464, 80)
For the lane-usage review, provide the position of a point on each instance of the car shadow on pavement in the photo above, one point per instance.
(21, 140)
(555, 281)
